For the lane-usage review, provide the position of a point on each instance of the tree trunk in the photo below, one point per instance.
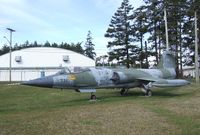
(180, 43)
(176, 50)
(159, 41)
(155, 41)
(146, 55)
(141, 53)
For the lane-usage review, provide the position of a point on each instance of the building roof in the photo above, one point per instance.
(38, 57)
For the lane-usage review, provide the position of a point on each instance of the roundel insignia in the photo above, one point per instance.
(72, 77)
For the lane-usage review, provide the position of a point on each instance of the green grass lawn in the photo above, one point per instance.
(30, 110)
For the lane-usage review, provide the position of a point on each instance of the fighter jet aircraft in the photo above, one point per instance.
(94, 78)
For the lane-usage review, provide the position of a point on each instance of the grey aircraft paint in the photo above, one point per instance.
(95, 78)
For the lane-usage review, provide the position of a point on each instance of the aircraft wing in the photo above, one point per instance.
(148, 79)
(159, 82)
(170, 83)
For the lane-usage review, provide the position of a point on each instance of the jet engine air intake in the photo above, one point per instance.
(119, 77)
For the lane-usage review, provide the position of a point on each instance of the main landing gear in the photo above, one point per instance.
(146, 89)
(124, 91)
(148, 93)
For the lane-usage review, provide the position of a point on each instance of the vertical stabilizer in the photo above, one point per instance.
(167, 61)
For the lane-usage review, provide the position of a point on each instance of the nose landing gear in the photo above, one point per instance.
(93, 96)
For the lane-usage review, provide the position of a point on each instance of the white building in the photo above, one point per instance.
(31, 63)
(189, 71)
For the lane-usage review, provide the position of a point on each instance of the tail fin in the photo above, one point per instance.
(167, 61)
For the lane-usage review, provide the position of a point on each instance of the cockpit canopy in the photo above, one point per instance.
(74, 71)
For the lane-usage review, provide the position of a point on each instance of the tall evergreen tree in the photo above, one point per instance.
(89, 46)
(26, 44)
(79, 48)
(121, 33)
(178, 19)
(54, 45)
(188, 31)
(154, 14)
(140, 27)
(35, 44)
(4, 49)
(47, 44)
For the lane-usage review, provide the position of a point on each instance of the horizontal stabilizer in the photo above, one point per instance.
(87, 90)
(170, 83)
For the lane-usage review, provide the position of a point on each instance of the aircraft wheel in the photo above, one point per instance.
(122, 91)
(149, 93)
(93, 97)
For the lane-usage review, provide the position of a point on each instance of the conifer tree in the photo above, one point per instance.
(121, 34)
(89, 47)
(140, 27)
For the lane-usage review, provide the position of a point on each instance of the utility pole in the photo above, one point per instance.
(196, 49)
(166, 29)
(10, 63)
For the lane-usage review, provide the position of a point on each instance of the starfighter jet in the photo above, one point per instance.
(94, 78)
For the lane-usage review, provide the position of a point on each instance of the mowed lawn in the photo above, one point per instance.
(30, 110)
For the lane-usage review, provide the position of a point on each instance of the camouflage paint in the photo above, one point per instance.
(115, 78)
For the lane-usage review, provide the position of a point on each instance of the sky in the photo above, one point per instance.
(58, 21)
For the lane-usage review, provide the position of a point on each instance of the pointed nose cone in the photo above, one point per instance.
(41, 82)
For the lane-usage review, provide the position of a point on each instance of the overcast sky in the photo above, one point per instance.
(58, 20)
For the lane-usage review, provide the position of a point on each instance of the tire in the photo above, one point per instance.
(93, 97)
(149, 93)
